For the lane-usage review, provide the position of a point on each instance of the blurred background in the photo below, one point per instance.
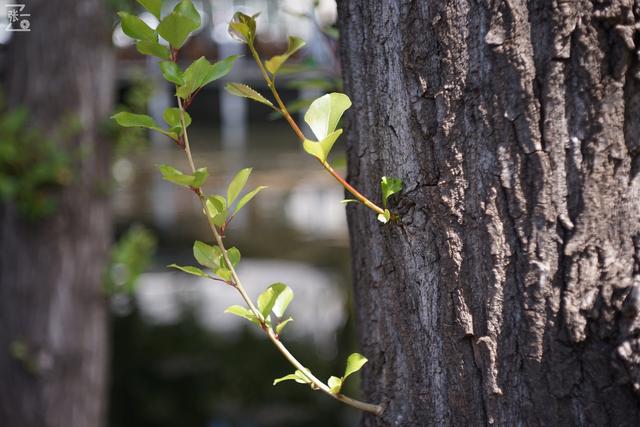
(175, 358)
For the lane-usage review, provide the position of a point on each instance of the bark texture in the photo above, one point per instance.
(510, 293)
(51, 271)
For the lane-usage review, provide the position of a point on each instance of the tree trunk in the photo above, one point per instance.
(53, 342)
(510, 292)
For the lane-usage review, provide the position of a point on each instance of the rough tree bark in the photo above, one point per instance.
(510, 292)
(51, 271)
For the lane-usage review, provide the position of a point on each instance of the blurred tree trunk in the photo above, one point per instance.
(510, 294)
(51, 305)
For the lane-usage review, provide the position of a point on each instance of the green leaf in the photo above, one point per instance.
(389, 186)
(297, 376)
(199, 177)
(355, 362)
(282, 324)
(172, 117)
(172, 72)
(201, 72)
(347, 201)
(206, 255)
(234, 256)
(321, 149)
(240, 89)
(187, 9)
(290, 377)
(325, 112)
(191, 270)
(224, 273)
(135, 27)
(237, 184)
(247, 197)
(274, 64)
(153, 48)
(127, 120)
(243, 312)
(276, 298)
(153, 6)
(335, 384)
(243, 27)
(173, 175)
(217, 209)
(176, 27)
(384, 217)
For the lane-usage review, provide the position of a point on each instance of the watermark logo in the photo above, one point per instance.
(18, 20)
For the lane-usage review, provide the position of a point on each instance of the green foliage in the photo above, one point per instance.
(33, 168)
(130, 257)
(190, 270)
(132, 120)
(389, 186)
(274, 64)
(276, 298)
(298, 376)
(135, 27)
(153, 48)
(201, 72)
(172, 72)
(153, 6)
(242, 90)
(243, 28)
(174, 176)
(173, 117)
(212, 258)
(322, 117)
(245, 313)
(325, 112)
(179, 24)
(355, 362)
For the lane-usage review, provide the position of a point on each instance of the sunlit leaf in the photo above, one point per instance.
(274, 64)
(325, 112)
(282, 324)
(247, 197)
(174, 176)
(275, 298)
(335, 384)
(237, 184)
(135, 27)
(389, 186)
(242, 90)
(217, 209)
(355, 362)
(322, 148)
(234, 256)
(224, 273)
(206, 255)
(190, 269)
(243, 312)
(297, 376)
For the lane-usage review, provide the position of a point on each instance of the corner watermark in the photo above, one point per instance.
(17, 19)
